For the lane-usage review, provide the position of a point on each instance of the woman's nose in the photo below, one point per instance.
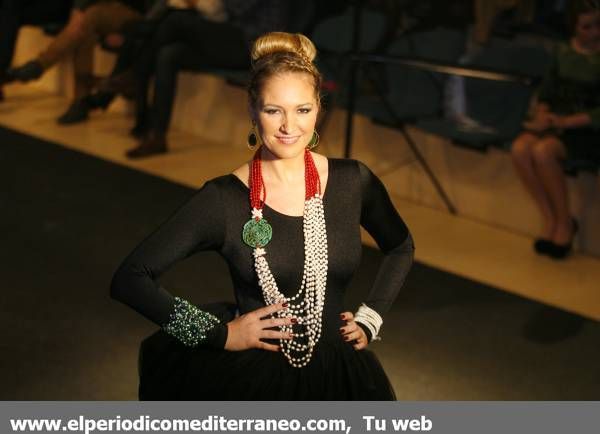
(286, 124)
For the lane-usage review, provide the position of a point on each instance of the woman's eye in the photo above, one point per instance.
(271, 111)
(304, 110)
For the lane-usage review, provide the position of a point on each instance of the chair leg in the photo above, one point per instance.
(413, 146)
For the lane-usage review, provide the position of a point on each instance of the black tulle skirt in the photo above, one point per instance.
(170, 371)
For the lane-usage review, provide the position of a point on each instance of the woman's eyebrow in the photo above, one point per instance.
(278, 106)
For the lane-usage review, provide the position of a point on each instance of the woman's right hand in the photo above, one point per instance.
(541, 122)
(246, 331)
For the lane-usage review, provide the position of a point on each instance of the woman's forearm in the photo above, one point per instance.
(576, 120)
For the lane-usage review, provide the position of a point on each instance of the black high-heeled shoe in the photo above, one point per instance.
(139, 130)
(77, 112)
(4, 78)
(561, 251)
(542, 246)
(80, 109)
(152, 144)
(31, 70)
(100, 99)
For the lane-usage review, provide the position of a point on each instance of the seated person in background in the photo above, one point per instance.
(17, 13)
(565, 124)
(127, 45)
(195, 34)
(90, 20)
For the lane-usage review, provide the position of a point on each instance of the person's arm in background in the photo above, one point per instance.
(578, 120)
(542, 117)
(582, 119)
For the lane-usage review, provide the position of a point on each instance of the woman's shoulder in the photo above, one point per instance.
(354, 175)
(351, 167)
(223, 185)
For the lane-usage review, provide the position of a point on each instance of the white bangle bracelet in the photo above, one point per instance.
(370, 319)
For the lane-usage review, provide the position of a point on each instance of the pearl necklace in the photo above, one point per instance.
(307, 304)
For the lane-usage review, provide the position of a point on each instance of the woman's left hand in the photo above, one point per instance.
(353, 332)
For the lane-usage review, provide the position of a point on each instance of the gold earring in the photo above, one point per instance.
(314, 141)
(253, 139)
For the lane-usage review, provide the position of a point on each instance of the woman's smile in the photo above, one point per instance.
(287, 140)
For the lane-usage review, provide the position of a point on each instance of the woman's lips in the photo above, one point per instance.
(287, 140)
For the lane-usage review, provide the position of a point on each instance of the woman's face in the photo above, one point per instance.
(287, 113)
(587, 30)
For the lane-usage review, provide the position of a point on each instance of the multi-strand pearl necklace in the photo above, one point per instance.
(307, 304)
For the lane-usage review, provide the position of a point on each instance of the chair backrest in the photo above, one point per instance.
(417, 93)
(501, 104)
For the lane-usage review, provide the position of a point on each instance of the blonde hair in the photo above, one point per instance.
(277, 53)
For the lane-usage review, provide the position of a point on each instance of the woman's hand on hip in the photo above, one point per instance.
(353, 332)
(246, 331)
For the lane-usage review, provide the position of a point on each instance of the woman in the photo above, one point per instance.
(565, 124)
(288, 219)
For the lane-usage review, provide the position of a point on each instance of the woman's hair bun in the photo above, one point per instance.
(280, 53)
(276, 42)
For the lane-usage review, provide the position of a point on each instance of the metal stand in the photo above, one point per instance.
(355, 65)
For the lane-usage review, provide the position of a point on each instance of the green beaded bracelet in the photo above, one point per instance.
(188, 323)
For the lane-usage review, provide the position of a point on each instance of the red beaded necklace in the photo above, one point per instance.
(257, 186)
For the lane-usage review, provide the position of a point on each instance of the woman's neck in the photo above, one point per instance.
(285, 171)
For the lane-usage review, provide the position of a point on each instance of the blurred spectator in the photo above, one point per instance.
(485, 14)
(206, 33)
(564, 125)
(17, 13)
(90, 20)
(127, 45)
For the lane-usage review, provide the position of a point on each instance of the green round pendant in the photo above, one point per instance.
(257, 233)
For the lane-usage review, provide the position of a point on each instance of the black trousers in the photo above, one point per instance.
(16, 13)
(183, 40)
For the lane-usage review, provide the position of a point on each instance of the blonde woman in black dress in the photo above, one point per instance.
(288, 225)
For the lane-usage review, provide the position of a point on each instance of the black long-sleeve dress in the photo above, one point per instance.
(212, 220)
